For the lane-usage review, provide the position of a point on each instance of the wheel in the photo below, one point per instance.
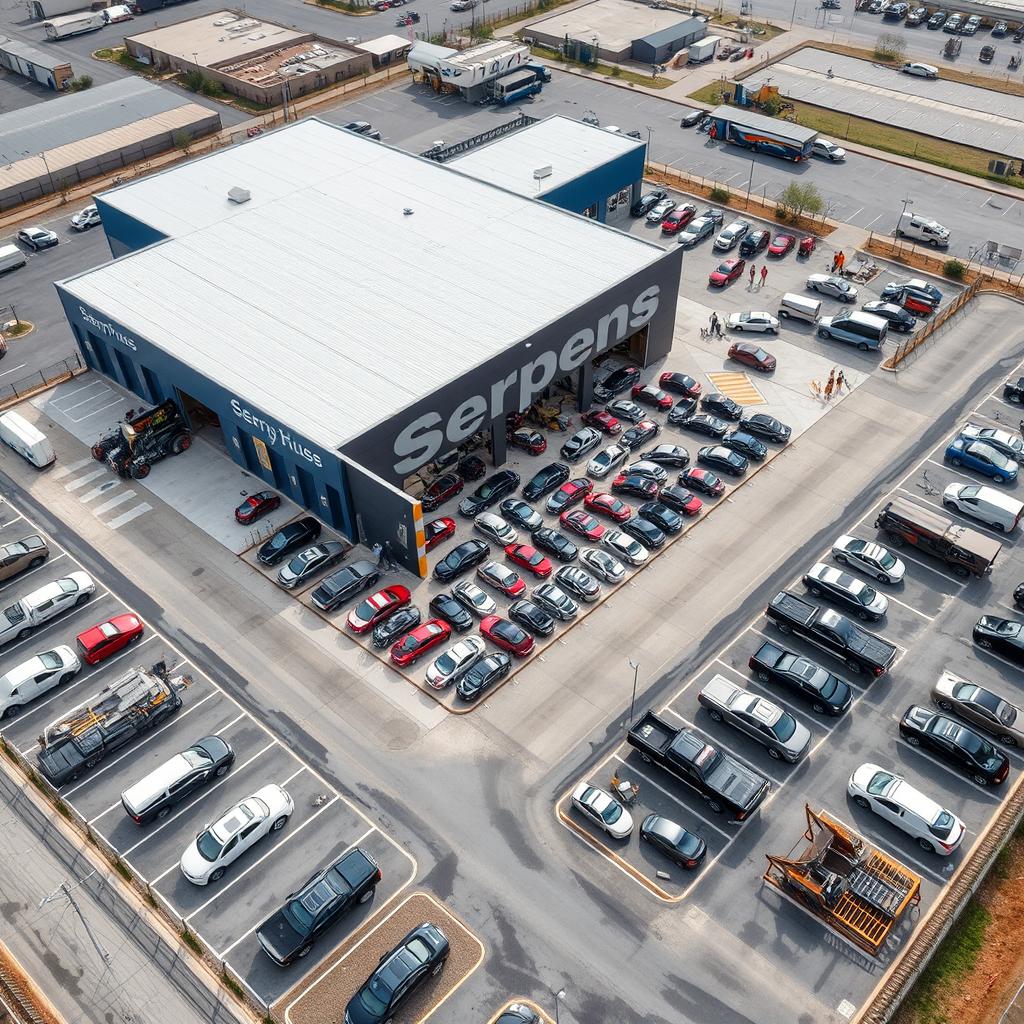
(646, 758)
(895, 540)
(949, 504)
(865, 617)
(987, 644)
(92, 762)
(715, 806)
(66, 678)
(36, 562)
(368, 895)
(13, 711)
(822, 333)
(772, 752)
(933, 243)
(716, 716)
(763, 677)
(913, 741)
(1014, 399)
(27, 631)
(304, 951)
(217, 875)
(862, 345)
(135, 639)
(899, 234)
(816, 591)
(883, 578)
(139, 470)
(784, 627)
(98, 453)
(956, 462)
(1010, 741)
(979, 780)
(944, 705)
(862, 801)
(853, 666)
(81, 599)
(997, 479)
(818, 709)
(925, 845)
(162, 813)
(998, 527)
(279, 824)
(180, 444)
(222, 771)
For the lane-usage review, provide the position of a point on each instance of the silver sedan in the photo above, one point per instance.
(871, 558)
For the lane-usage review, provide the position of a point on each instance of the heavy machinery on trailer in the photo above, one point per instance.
(856, 890)
(144, 439)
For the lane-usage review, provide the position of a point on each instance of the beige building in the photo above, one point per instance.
(256, 59)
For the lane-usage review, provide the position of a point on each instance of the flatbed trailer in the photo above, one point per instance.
(856, 890)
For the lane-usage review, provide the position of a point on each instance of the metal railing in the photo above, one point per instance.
(910, 345)
(52, 374)
(442, 153)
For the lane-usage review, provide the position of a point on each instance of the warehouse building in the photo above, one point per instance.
(332, 382)
(89, 133)
(385, 50)
(30, 62)
(252, 58)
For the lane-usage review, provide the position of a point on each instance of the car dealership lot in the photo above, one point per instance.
(223, 914)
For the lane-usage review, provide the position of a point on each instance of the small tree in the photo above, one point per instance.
(798, 199)
(771, 106)
(889, 46)
(193, 80)
(954, 269)
(81, 83)
(183, 141)
(720, 195)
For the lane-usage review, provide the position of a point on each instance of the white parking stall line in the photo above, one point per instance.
(62, 471)
(11, 522)
(294, 774)
(288, 837)
(909, 607)
(96, 412)
(119, 499)
(56, 402)
(241, 938)
(204, 793)
(674, 798)
(13, 369)
(103, 813)
(93, 776)
(93, 493)
(996, 421)
(60, 619)
(901, 858)
(231, 723)
(86, 478)
(971, 478)
(959, 776)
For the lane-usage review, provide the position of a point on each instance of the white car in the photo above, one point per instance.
(603, 564)
(828, 151)
(731, 235)
(836, 287)
(32, 678)
(603, 810)
(649, 470)
(623, 546)
(894, 799)
(869, 557)
(38, 238)
(493, 527)
(920, 70)
(756, 322)
(1010, 445)
(985, 504)
(448, 667)
(605, 461)
(85, 219)
(219, 845)
(847, 590)
(470, 595)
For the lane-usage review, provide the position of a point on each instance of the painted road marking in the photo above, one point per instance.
(126, 517)
(737, 386)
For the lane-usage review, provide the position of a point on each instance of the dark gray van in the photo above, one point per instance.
(865, 330)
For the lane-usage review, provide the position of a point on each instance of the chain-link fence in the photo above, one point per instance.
(52, 374)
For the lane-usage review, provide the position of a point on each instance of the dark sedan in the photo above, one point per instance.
(703, 481)
(760, 424)
(1013, 390)
(616, 382)
(445, 607)
(644, 531)
(719, 457)
(530, 441)
(638, 486)
(899, 319)
(638, 434)
(747, 445)
(546, 480)
(754, 242)
(668, 455)
(578, 583)
(387, 632)
(646, 202)
(581, 443)
(483, 675)
(1004, 636)
(722, 406)
(417, 958)
(289, 538)
(681, 411)
(703, 423)
(680, 383)
(955, 744)
(344, 584)
(532, 617)
(686, 849)
(555, 543)
(440, 491)
(490, 492)
(463, 557)
(311, 562)
(824, 691)
(679, 499)
(663, 517)
(517, 513)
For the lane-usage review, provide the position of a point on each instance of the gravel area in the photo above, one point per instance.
(321, 997)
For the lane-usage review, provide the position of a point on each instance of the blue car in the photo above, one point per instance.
(982, 458)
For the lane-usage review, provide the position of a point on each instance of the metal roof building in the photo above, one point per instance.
(332, 380)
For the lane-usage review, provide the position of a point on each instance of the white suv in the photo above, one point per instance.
(893, 798)
(731, 235)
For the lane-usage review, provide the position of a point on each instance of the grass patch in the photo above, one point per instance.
(346, 7)
(244, 103)
(191, 941)
(18, 329)
(232, 984)
(715, 93)
(600, 68)
(122, 869)
(953, 960)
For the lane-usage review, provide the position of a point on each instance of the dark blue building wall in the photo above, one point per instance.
(598, 185)
(313, 477)
(125, 233)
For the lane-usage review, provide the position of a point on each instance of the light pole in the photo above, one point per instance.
(906, 202)
(750, 180)
(635, 666)
(559, 996)
(649, 129)
(792, 17)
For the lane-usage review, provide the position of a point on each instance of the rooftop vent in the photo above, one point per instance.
(239, 195)
(542, 172)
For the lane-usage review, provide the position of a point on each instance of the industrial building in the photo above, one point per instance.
(30, 62)
(618, 31)
(385, 50)
(328, 380)
(252, 58)
(85, 134)
(471, 72)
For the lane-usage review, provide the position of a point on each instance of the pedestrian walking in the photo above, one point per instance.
(753, 270)
(715, 329)
(764, 275)
(841, 261)
(389, 561)
(718, 327)
(1022, 428)
(835, 263)
(830, 384)
(378, 554)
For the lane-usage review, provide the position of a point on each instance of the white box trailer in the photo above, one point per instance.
(26, 440)
(74, 24)
(43, 9)
(703, 50)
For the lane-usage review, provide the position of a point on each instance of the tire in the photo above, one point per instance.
(913, 741)
(949, 504)
(763, 677)
(895, 540)
(866, 617)
(12, 712)
(944, 705)
(279, 824)
(934, 244)
(715, 806)
(883, 578)
(784, 627)
(997, 479)
(217, 875)
(66, 678)
(437, 970)
(979, 780)
(899, 234)
(1013, 399)
(773, 753)
(180, 444)
(135, 639)
(818, 709)
(925, 845)
(368, 895)
(714, 714)
(92, 762)
(822, 333)
(27, 631)
(956, 462)
(140, 471)
(854, 666)
(986, 644)
(222, 771)
(1010, 741)
(36, 562)
(816, 591)
(862, 801)
(81, 599)
(841, 559)
(862, 346)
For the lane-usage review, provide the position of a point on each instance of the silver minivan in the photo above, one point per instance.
(865, 330)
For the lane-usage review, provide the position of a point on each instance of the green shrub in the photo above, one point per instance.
(193, 80)
(954, 269)
(720, 195)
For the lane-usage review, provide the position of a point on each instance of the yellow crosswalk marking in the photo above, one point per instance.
(737, 386)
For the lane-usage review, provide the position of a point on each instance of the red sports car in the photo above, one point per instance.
(608, 505)
(681, 500)
(531, 441)
(678, 218)
(107, 638)
(443, 488)
(781, 244)
(256, 506)
(702, 480)
(528, 558)
(680, 383)
(438, 530)
(377, 607)
(648, 394)
(753, 356)
(418, 641)
(569, 494)
(506, 635)
(603, 421)
(917, 306)
(727, 272)
(582, 523)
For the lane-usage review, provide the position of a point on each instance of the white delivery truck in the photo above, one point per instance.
(703, 50)
(74, 24)
(26, 440)
(11, 257)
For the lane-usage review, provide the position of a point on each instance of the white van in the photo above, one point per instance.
(799, 307)
(986, 504)
(29, 443)
(11, 257)
(924, 229)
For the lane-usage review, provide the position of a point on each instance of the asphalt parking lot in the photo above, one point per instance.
(929, 620)
(223, 914)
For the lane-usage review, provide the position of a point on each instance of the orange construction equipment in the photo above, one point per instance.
(839, 877)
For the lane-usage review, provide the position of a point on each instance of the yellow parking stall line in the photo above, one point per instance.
(737, 386)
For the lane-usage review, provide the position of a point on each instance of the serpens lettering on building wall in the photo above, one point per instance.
(423, 438)
(106, 328)
(276, 436)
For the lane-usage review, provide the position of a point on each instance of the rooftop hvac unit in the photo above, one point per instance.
(542, 172)
(229, 20)
(239, 195)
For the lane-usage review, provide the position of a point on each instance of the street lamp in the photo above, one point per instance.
(635, 666)
(649, 130)
(559, 996)
(906, 202)
(750, 180)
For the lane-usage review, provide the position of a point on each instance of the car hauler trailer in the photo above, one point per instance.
(762, 134)
(856, 890)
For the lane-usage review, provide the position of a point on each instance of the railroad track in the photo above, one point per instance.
(16, 1004)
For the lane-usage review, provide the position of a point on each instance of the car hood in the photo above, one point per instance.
(193, 864)
(279, 937)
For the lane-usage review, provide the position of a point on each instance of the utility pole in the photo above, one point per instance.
(63, 890)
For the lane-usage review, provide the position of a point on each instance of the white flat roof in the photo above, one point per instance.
(320, 301)
(616, 23)
(383, 44)
(570, 148)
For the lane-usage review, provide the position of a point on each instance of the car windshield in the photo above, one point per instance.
(374, 996)
(49, 660)
(445, 664)
(867, 595)
(784, 727)
(824, 682)
(300, 915)
(208, 845)
(725, 267)
(611, 813)
(879, 783)
(942, 825)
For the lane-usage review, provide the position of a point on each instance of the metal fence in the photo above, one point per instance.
(53, 374)
(912, 344)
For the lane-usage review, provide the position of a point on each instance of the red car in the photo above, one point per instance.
(256, 506)
(753, 356)
(528, 558)
(781, 244)
(418, 641)
(917, 306)
(608, 505)
(377, 607)
(648, 394)
(727, 272)
(438, 530)
(582, 523)
(681, 500)
(506, 635)
(569, 494)
(531, 441)
(680, 383)
(603, 421)
(702, 480)
(443, 488)
(107, 638)
(678, 218)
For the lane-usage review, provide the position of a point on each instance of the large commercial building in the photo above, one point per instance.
(252, 292)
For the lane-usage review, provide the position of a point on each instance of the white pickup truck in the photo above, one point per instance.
(18, 621)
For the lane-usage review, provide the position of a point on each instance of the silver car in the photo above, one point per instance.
(869, 557)
(844, 589)
(660, 211)
(578, 582)
(980, 707)
(606, 460)
(555, 601)
(447, 668)
(696, 231)
(623, 546)
(649, 470)
(474, 599)
(603, 564)
(311, 562)
(731, 235)
(493, 527)
(836, 287)
(38, 238)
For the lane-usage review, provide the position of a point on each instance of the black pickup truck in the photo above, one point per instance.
(289, 933)
(860, 650)
(725, 783)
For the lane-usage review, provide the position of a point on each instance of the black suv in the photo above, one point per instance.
(754, 243)
(289, 538)
(490, 492)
